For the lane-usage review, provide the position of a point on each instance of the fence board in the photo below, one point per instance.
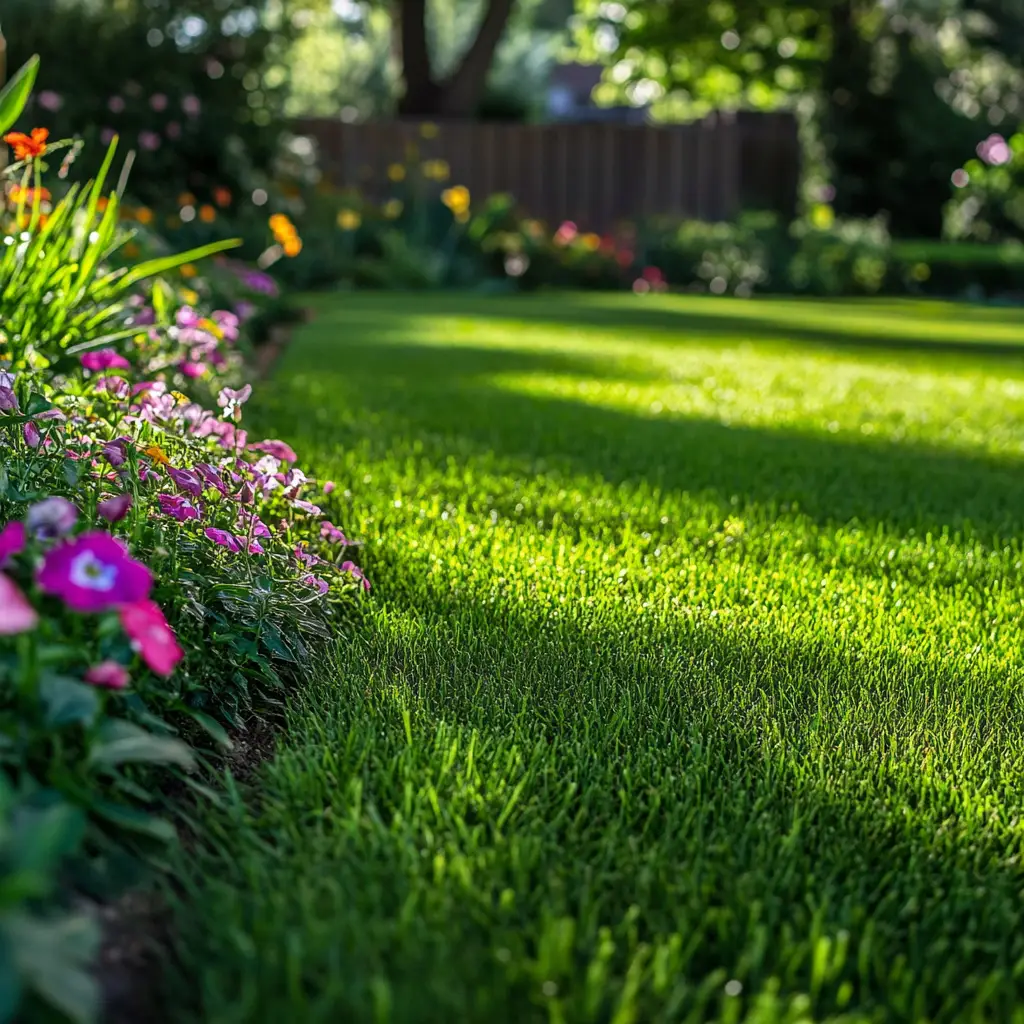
(595, 174)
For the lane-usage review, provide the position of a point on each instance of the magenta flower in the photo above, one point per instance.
(228, 323)
(307, 506)
(158, 101)
(110, 674)
(191, 105)
(254, 548)
(192, 370)
(186, 317)
(31, 434)
(211, 477)
(187, 480)
(254, 526)
(330, 533)
(329, 487)
(104, 359)
(354, 570)
(94, 572)
(231, 397)
(316, 583)
(8, 400)
(114, 452)
(151, 636)
(177, 507)
(16, 614)
(116, 508)
(149, 140)
(116, 386)
(278, 449)
(51, 518)
(115, 104)
(224, 539)
(12, 542)
(307, 558)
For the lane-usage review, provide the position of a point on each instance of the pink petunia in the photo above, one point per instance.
(228, 323)
(230, 397)
(177, 507)
(111, 674)
(50, 100)
(254, 526)
(16, 614)
(31, 434)
(278, 449)
(149, 140)
(329, 487)
(191, 105)
(116, 508)
(151, 636)
(12, 541)
(331, 533)
(211, 477)
(192, 370)
(94, 572)
(354, 570)
(321, 585)
(186, 317)
(186, 480)
(116, 386)
(158, 101)
(104, 359)
(51, 518)
(224, 539)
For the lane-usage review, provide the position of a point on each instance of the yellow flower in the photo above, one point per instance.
(180, 398)
(396, 172)
(823, 216)
(211, 328)
(292, 246)
(190, 296)
(590, 241)
(437, 170)
(157, 454)
(188, 270)
(144, 215)
(456, 199)
(428, 130)
(392, 209)
(349, 220)
(462, 216)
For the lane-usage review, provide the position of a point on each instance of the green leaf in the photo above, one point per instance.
(211, 725)
(41, 837)
(122, 742)
(151, 268)
(10, 983)
(67, 701)
(134, 820)
(55, 955)
(16, 92)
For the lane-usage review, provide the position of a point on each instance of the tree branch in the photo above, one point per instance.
(463, 88)
(420, 88)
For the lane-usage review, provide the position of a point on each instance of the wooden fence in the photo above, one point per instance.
(594, 174)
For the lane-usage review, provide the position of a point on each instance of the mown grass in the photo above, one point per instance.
(690, 686)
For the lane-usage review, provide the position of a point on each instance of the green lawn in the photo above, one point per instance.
(690, 687)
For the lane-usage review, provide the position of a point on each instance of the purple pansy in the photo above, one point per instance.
(94, 572)
(51, 518)
(177, 507)
(186, 480)
(224, 539)
(116, 508)
(8, 400)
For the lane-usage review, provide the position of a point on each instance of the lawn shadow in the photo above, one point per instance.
(929, 329)
(447, 403)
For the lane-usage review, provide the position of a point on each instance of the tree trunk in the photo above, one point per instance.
(458, 95)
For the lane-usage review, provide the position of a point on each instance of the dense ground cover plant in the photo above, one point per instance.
(158, 566)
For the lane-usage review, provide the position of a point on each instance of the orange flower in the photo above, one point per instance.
(186, 199)
(188, 270)
(207, 214)
(29, 196)
(102, 203)
(28, 147)
(157, 454)
(292, 246)
(144, 215)
(222, 196)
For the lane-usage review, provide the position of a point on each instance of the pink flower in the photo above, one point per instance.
(12, 542)
(186, 317)
(230, 397)
(115, 104)
(177, 507)
(354, 570)
(331, 533)
(191, 105)
(51, 518)
(50, 100)
(192, 370)
(228, 323)
(254, 526)
(16, 614)
(8, 400)
(94, 572)
(255, 548)
(994, 150)
(158, 101)
(149, 140)
(116, 508)
(116, 386)
(187, 480)
(307, 506)
(566, 232)
(151, 636)
(306, 558)
(104, 359)
(31, 434)
(224, 539)
(328, 487)
(316, 582)
(278, 449)
(110, 674)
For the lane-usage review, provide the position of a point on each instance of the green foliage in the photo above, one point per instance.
(989, 205)
(691, 690)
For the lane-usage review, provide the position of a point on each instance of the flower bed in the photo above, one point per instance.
(159, 567)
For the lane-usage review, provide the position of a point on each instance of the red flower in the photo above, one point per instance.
(28, 147)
